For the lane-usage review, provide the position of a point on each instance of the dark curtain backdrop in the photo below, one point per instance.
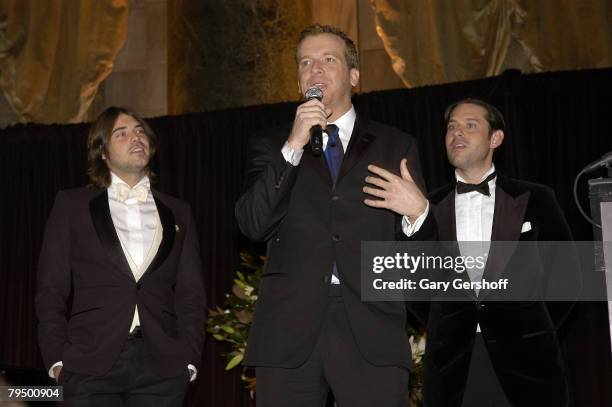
(557, 123)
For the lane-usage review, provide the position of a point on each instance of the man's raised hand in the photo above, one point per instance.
(399, 194)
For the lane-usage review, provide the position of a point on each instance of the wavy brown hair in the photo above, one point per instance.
(98, 139)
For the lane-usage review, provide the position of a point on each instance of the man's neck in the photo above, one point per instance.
(473, 175)
(132, 179)
(339, 112)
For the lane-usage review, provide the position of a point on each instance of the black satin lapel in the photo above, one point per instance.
(507, 221)
(105, 229)
(168, 224)
(361, 139)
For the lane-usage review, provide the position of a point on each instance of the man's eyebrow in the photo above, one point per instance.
(138, 126)
(119, 128)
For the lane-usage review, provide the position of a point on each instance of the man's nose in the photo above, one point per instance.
(458, 131)
(135, 134)
(317, 67)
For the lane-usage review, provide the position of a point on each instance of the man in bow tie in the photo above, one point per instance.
(311, 332)
(482, 352)
(120, 301)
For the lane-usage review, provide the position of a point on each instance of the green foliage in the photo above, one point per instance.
(232, 323)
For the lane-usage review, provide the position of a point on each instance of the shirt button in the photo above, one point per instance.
(138, 285)
(480, 306)
(335, 198)
(336, 238)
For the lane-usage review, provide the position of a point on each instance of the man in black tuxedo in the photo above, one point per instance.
(311, 331)
(482, 352)
(128, 256)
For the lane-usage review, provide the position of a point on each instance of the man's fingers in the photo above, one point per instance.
(375, 203)
(377, 181)
(313, 118)
(404, 170)
(312, 113)
(381, 172)
(312, 102)
(381, 193)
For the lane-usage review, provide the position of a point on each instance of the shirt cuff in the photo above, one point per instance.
(56, 364)
(292, 156)
(410, 229)
(193, 372)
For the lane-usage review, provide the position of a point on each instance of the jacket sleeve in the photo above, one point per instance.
(190, 296)
(53, 285)
(268, 183)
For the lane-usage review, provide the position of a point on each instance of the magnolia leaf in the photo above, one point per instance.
(228, 329)
(244, 316)
(219, 337)
(234, 361)
(239, 292)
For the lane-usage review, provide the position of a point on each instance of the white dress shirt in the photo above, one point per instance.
(474, 221)
(135, 221)
(474, 212)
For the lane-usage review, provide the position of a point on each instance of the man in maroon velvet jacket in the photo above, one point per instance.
(134, 330)
(483, 351)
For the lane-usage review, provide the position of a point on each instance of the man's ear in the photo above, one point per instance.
(497, 138)
(354, 74)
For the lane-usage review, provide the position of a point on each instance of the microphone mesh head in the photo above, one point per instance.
(314, 93)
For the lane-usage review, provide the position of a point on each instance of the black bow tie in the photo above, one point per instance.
(483, 187)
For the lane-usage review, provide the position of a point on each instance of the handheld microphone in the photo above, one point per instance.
(316, 132)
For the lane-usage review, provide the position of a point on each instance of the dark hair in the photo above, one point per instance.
(350, 52)
(98, 139)
(493, 115)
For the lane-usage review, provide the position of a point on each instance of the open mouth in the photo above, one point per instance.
(137, 150)
(459, 146)
(319, 85)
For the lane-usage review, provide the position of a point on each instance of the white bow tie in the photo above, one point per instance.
(125, 193)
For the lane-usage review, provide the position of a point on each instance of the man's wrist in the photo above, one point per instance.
(56, 365)
(292, 156)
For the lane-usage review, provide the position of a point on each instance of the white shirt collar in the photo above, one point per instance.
(116, 180)
(346, 123)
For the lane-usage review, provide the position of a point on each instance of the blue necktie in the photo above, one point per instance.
(334, 153)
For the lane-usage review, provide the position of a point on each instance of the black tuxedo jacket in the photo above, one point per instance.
(82, 255)
(308, 225)
(520, 337)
